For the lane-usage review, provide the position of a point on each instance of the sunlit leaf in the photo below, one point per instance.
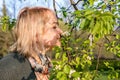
(78, 60)
(75, 74)
(66, 69)
(59, 74)
(57, 55)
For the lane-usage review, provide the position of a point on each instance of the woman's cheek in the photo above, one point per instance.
(50, 42)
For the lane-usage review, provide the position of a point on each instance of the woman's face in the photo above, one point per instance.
(52, 33)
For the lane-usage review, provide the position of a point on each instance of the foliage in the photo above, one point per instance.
(7, 23)
(75, 59)
(97, 22)
(72, 60)
(6, 36)
(114, 46)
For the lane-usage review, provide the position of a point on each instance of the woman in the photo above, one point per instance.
(36, 33)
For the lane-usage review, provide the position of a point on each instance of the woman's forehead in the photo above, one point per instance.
(53, 19)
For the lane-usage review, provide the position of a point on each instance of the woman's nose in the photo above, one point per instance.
(60, 31)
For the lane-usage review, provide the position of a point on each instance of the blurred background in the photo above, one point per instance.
(91, 44)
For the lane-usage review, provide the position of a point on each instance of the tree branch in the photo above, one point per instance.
(75, 4)
(55, 8)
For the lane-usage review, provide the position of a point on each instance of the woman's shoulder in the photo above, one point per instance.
(15, 67)
(13, 58)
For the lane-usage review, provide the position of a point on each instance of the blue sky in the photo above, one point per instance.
(13, 6)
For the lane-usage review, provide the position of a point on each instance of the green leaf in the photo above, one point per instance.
(106, 64)
(75, 74)
(73, 62)
(64, 57)
(82, 24)
(91, 2)
(65, 14)
(69, 48)
(107, 14)
(78, 60)
(96, 28)
(4, 27)
(63, 77)
(87, 23)
(104, 6)
(88, 12)
(118, 54)
(117, 36)
(92, 23)
(59, 74)
(77, 12)
(57, 55)
(66, 69)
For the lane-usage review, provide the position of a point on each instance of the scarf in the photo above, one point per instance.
(41, 70)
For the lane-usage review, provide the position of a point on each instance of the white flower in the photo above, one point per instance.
(66, 33)
(57, 67)
(88, 57)
(71, 71)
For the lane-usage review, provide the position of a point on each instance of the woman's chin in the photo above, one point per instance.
(58, 43)
(52, 45)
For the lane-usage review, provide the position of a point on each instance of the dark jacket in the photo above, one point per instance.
(15, 67)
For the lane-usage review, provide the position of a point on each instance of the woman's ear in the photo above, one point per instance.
(38, 38)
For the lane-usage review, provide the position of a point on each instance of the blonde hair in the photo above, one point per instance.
(30, 24)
